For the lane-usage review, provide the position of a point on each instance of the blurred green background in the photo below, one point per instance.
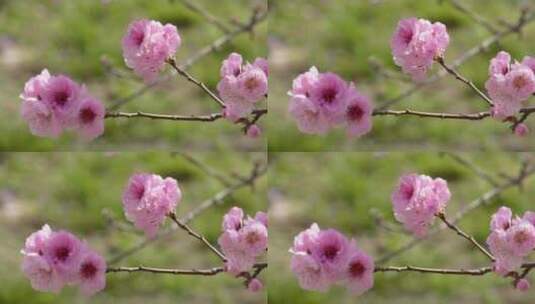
(81, 192)
(73, 36)
(345, 36)
(351, 192)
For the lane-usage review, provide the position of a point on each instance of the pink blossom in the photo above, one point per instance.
(242, 85)
(509, 84)
(416, 43)
(262, 217)
(33, 89)
(242, 240)
(359, 272)
(417, 199)
(502, 219)
(321, 258)
(147, 45)
(148, 199)
(252, 83)
(40, 119)
(42, 276)
(254, 131)
(36, 242)
(521, 130)
(232, 66)
(90, 118)
(91, 273)
(529, 62)
(329, 95)
(62, 95)
(521, 238)
(63, 251)
(309, 118)
(255, 285)
(522, 285)
(506, 261)
(358, 113)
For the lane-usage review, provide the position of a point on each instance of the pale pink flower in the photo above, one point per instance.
(501, 64)
(91, 273)
(252, 83)
(36, 242)
(358, 113)
(255, 285)
(416, 43)
(231, 66)
(359, 272)
(42, 276)
(521, 130)
(90, 118)
(332, 251)
(63, 251)
(506, 261)
(529, 62)
(522, 285)
(62, 96)
(417, 199)
(329, 95)
(309, 273)
(238, 256)
(262, 217)
(147, 45)
(33, 89)
(233, 219)
(40, 119)
(502, 219)
(148, 199)
(521, 238)
(309, 118)
(520, 81)
(263, 64)
(254, 237)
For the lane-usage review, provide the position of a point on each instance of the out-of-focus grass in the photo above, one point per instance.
(71, 37)
(342, 36)
(72, 190)
(343, 190)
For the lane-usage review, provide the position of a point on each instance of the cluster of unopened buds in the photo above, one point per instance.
(320, 101)
(54, 103)
(55, 259)
(321, 258)
(243, 240)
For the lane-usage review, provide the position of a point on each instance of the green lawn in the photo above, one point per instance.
(349, 191)
(75, 191)
(344, 36)
(72, 37)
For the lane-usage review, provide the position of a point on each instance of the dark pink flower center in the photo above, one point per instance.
(139, 192)
(87, 115)
(62, 253)
(61, 97)
(252, 238)
(251, 83)
(354, 112)
(519, 82)
(356, 269)
(88, 270)
(406, 36)
(330, 252)
(329, 94)
(521, 237)
(407, 191)
(138, 38)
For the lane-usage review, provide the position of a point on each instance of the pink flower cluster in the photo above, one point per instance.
(417, 199)
(322, 258)
(148, 199)
(416, 43)
(510, 84)
(243, 239)
(53, 103)
(320, 101)
(53, 259)
(242, 85)
(147, 45)
(510, 239)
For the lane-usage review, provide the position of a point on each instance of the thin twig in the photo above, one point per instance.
(465, 235)
(527, 111)
(475, 16)
(198, 83)
(469, 83)
(196, 235)
(201, 272)
(408, 268)
(476, 169)
(205, 168)
(205, 118)
(195, 7)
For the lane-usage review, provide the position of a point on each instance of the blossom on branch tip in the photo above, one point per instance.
(255, 285)
(147, 45)
(509, 85)
(52, 104)
(148, 199)
(416, 43)
(522, 285)
(321, 101)
(521, 130)
(243, 240)
(321, 258)
(52, 260)
(242, 85)
(417, 200)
